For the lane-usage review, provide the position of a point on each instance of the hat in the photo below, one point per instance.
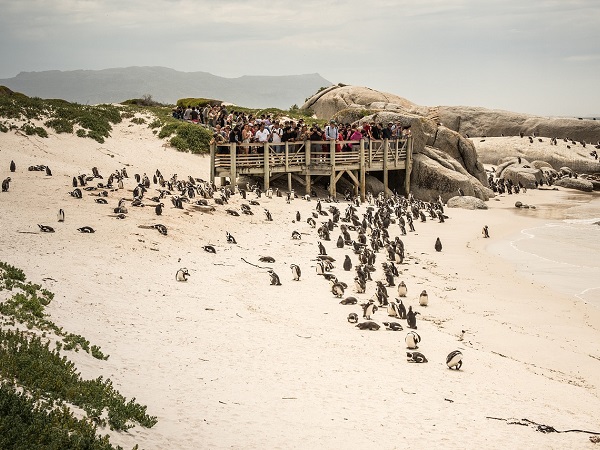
(332, 121)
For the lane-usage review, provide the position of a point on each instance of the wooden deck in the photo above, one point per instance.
(304, 160)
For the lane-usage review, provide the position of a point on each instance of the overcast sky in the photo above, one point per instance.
(533, 56)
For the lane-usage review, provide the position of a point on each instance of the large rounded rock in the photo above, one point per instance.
(540, 164)
(575, 183)
(526, 176)
(466, 202)
(461, 149)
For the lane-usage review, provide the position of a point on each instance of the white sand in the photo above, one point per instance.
(228, 361)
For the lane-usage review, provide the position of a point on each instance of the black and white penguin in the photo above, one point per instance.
(393, 326)
(86, 229)
(268, 215)
(182, 274)
(311, 222)
(46, 228)
(267, 259)
(485, 232)
(296, 235)
(101, 201)
(423, 298)
(322, 250)
(392, 310)
(76, 193)
(412, 340)
(347, 263)
(360, 285)
(48, 171)
(371, 326)
(389, 278)
(209, 249)
(296, 272)
(411, 318)
(61, 215)
(368, 310)
(349, 301)
(320, 268)
(6, 184)
(416, 357)
(337, 289)
(353, 318)
(230, 238)
(438, 245)
(232, 212)
(401, 309)
(340, 242)
(13, 166)
(298, 216)
(158, 209)
(274, 278)
(454, 360)
(402, 289)
(161, 229)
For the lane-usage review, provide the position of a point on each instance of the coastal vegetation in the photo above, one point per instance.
(42, 395)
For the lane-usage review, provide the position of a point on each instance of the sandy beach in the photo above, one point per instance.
(226, 360)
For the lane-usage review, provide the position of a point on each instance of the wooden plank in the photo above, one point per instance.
(385, 167)
(362, 172)
(266, 168)
(212, 163)
(332, 191)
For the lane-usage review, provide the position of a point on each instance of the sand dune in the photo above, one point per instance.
(227, 361)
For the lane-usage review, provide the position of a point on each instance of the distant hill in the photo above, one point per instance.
(166, 86)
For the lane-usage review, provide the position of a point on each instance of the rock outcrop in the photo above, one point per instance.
(466, 202)
(476, 121)
(575, 183)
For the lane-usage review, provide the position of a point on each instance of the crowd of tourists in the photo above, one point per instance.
(242, 128)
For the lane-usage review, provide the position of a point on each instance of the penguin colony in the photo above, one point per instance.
(372, 239)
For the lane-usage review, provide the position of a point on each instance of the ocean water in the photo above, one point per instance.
(563, 253)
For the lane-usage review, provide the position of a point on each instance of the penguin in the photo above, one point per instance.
(401, 310)
(298, 218)
(232, 212)
(411, 318)
(311, 222)
(423, 298)
(267, 259)
(6, 184)
(101, 201)
(182, 274)
(13, 166)
(353, 318)
(337, 289)
(296, 235)
(347, 263)
(74, 182)
(209, 249)
(461, 192)
(371, 326)
(340, 242)
(368, 310)
(61, 215)
(392, 310)
(274, 278)
(454, 360)
(389, 278)
(158, 209)
(86, 229)
(46, 228)
(48, 171)
(230, 238)
(320, 268)
(402, 289)
(412, 340)
(485, 232)
(360, 285)
(349, 301)
(268, 215)
(322, 250)
(393, 326)
(438, 245)
(296, 272)
(415, 357)
(161, 229)
(76, 193)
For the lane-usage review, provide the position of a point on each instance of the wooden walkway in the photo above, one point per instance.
(302, 161)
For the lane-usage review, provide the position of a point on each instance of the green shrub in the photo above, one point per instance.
(138, 120)
(60, 125)
(156, 123)
(81, 133)
(198, 102)
(191, 137)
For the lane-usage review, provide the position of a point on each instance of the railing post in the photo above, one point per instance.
(233, 157)
(307, 165)
(287, 148)
(266, 175)
(212, 164)
(332, 175)
(408, 164)
(362, 171)
(385, 167)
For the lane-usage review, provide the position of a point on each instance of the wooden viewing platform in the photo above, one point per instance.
(306, 159)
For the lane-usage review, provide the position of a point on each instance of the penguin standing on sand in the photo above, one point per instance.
(296, 272)
(48, 171)
(454, 360)
(61, 215)
(392, 310)
(438, 245)
(274, 278)
(322, 250)
(485, 232)
(360, 285)
(423, 298)
(347, 263)
(402, 289)
(298, 216)
(412, 340)
(158, 209)
(13, 166)
(230, 238)
(368, 310)
(6, 184)
(340, 242)
(182, 274)
(411, 318)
